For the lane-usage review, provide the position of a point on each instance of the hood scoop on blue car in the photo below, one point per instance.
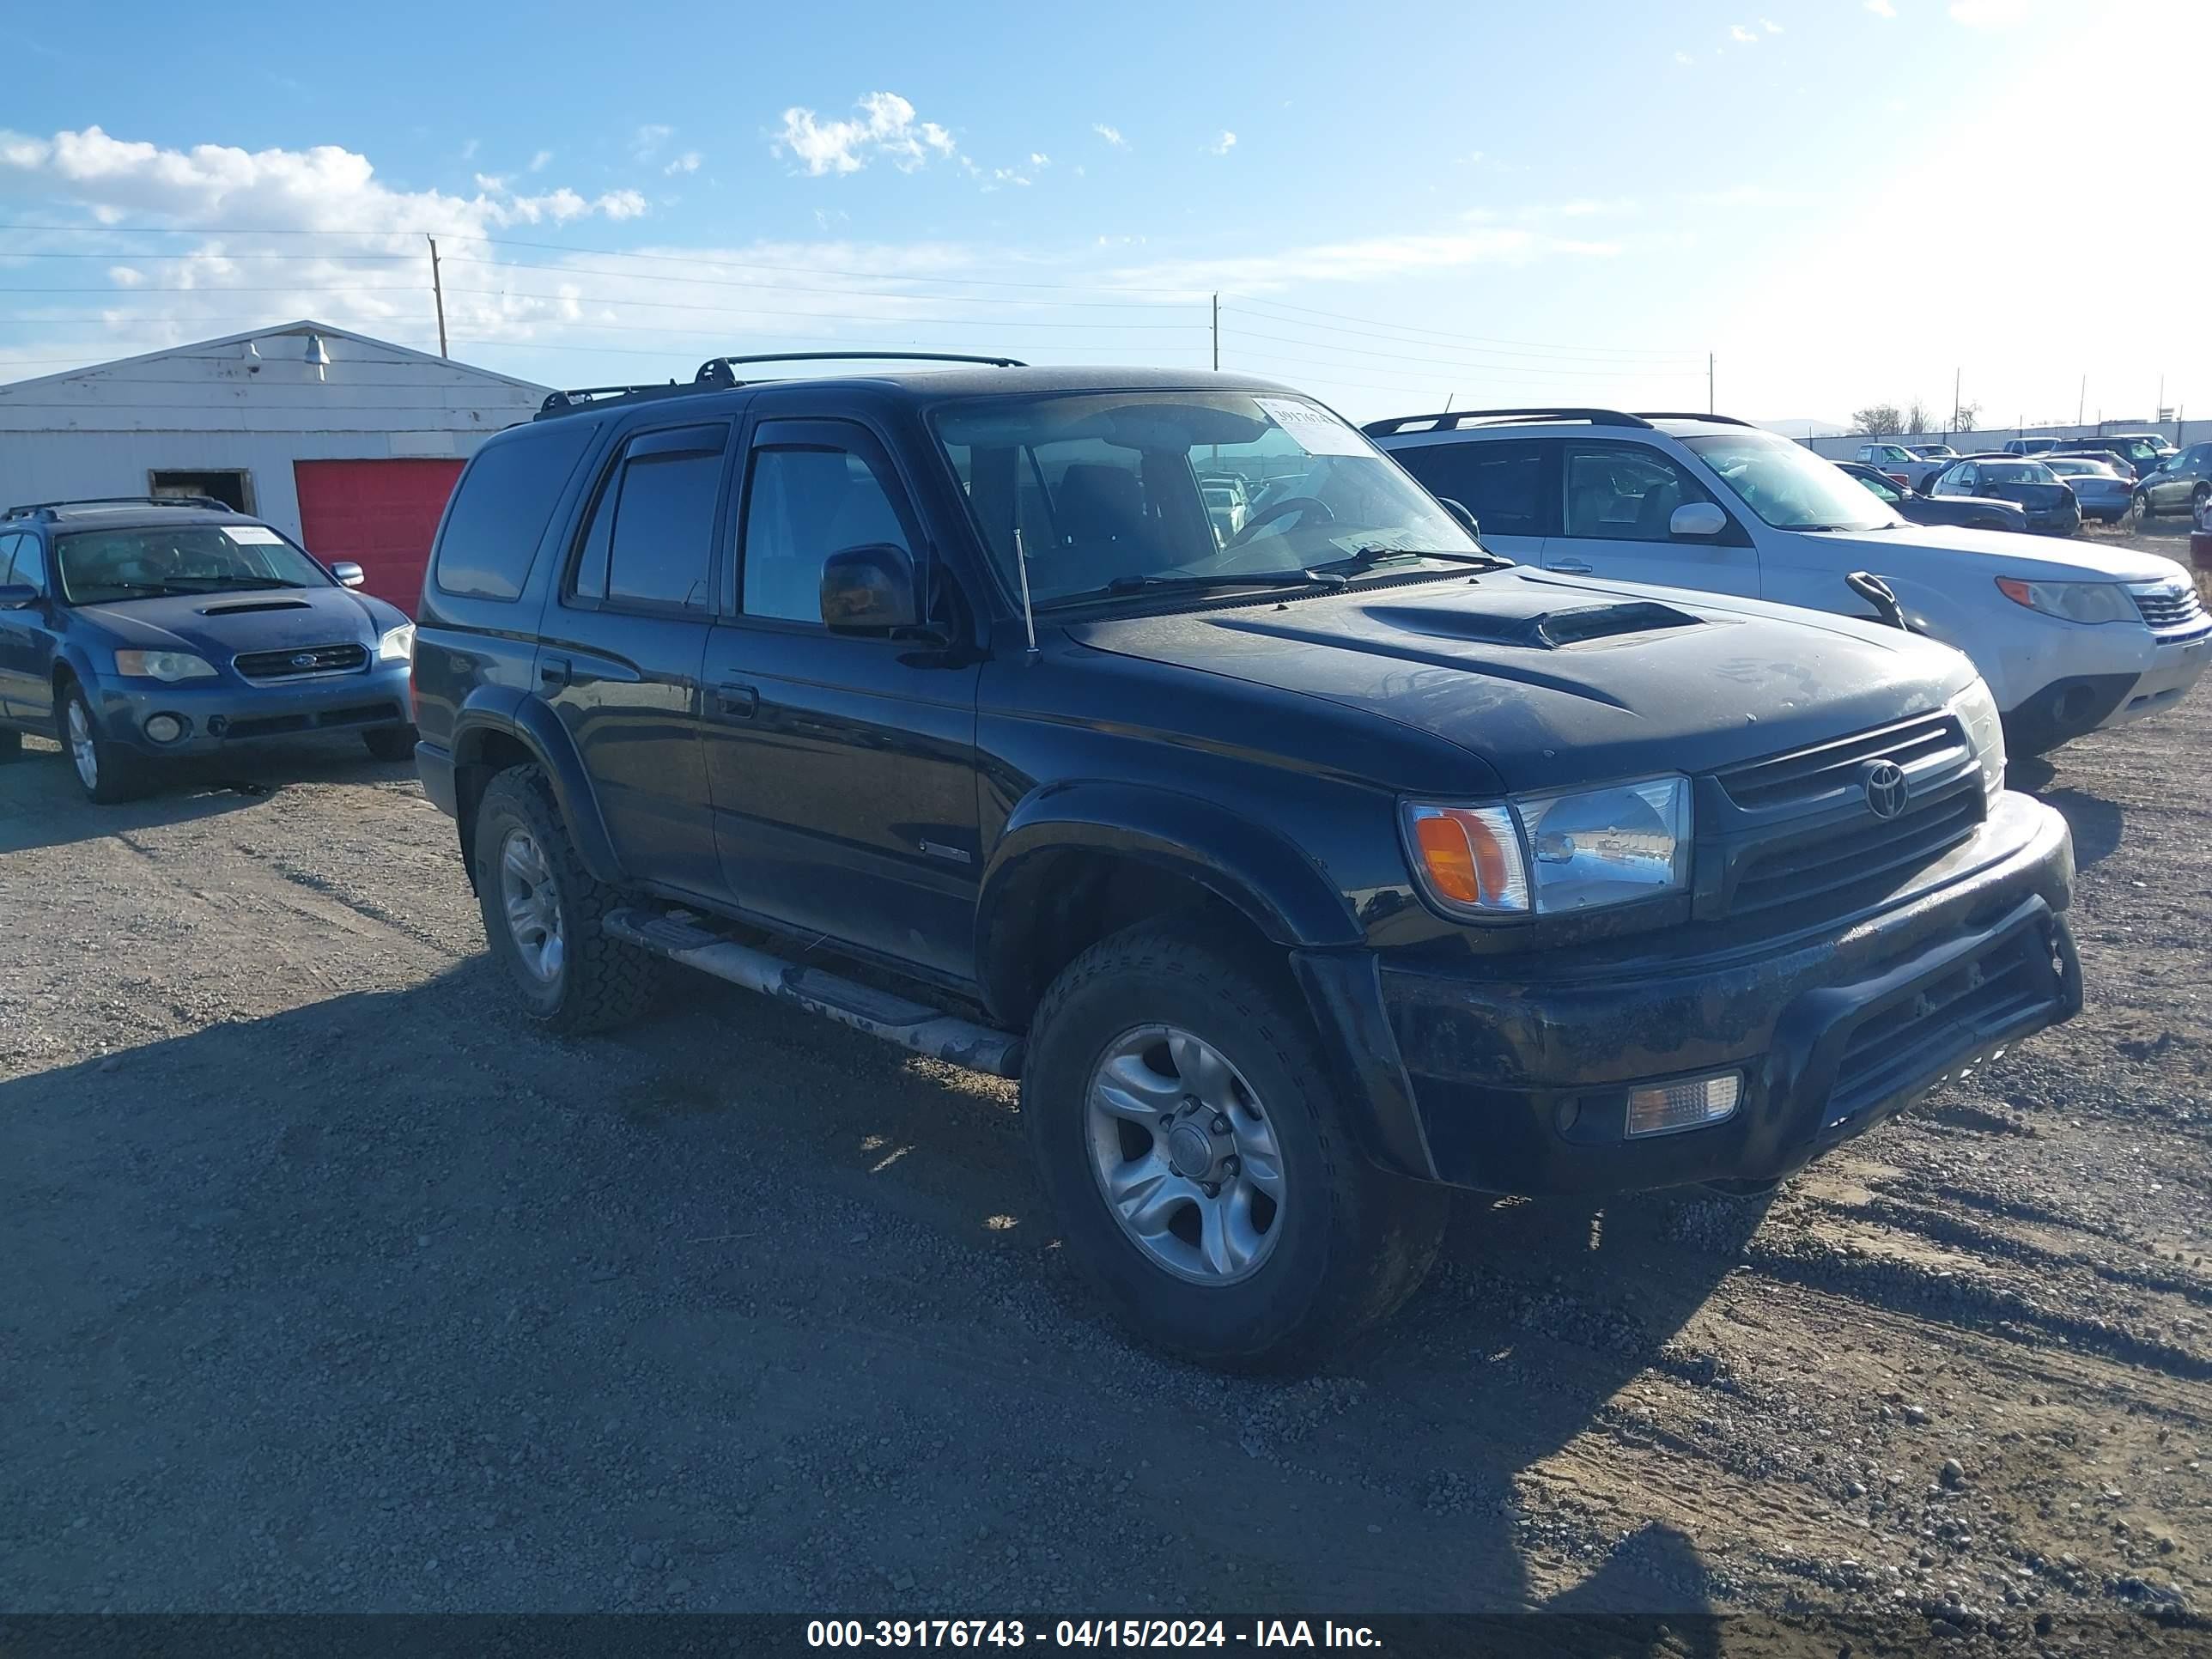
(247, 606)
(1543, 631)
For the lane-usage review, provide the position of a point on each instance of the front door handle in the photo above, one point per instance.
(1571, 566)
(738, 701)
(553, 672)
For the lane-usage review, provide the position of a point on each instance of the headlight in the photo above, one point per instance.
(170, 665)
(2080, 602)
(1977, 711)
(397, 646)
(1551, 853)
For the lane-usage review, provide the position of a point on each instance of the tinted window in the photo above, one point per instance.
(1502, 484)
(1620, 493)
(804, 505)
(500, 508)
(662, 544)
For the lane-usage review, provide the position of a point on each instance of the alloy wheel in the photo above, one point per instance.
(1185, 1156)
(82, 751)
(532, 904)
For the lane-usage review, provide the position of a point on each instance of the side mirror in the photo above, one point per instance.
(348, 573)
(15, 596)
(870, 589)
(1699, 519)
(1458, 510)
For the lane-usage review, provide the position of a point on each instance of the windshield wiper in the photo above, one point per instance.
(1366, 558)
(1264, 578)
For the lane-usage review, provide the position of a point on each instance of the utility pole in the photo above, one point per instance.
(1217, 331)
(1955, 373)
(1709, 383)
(438, 292)
(2082, 403)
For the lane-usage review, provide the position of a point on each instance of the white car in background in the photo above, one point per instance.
(2071, 638)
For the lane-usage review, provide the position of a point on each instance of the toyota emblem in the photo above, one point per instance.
(1885, 788)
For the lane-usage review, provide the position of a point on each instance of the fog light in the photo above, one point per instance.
(164, 728)
(1664, 1108)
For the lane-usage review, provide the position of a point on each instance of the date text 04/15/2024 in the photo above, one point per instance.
(1085, 1633)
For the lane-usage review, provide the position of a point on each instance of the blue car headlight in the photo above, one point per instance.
(168, 666)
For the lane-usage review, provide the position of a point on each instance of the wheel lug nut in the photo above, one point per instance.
(1167, 1120)
(1231, 1166)
(1212, 1188)
(1221, 1123)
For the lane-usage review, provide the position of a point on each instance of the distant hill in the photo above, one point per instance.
(1803, 427)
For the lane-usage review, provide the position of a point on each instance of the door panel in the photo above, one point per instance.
(18, 642)
(1508, 487)
(1615, 499)
(842, 767)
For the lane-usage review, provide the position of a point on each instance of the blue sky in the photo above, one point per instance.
(1844, 202)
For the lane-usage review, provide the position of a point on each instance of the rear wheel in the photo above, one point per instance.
(542, 911)
(391, 743)
(2197, 500)
(1202, 1169)
(2141, 506)
(106, 772)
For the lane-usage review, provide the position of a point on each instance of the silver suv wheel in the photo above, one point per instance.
(1184, 1155)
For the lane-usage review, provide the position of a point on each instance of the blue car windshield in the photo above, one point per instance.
(100, 567)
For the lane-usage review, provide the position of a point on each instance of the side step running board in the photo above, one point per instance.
(912, 1025)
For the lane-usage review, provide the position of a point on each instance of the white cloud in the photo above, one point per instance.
(1882, 8)
(1038, 159)
(1111, 135)
(687, 163)
(645, 144)
(468, 150)
(1222, 145)
(1742, 35)
(490, 183)
(1365, 259)
(1683, 58)
(1988, 14)
(1770, 26)
(539, 161)
(886, 128)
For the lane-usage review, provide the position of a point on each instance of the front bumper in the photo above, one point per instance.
(2176, 667)
(1517, 1071)
(225, 713)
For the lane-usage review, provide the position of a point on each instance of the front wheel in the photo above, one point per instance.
(2144, 511)
(1200, 1165)
(542, 910)
(105, 771)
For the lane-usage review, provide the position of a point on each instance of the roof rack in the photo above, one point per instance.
(720, 374)
(1691, 415)
(1449, 420)
(51, 509)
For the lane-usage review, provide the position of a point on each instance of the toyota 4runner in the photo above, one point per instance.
(1301, 864)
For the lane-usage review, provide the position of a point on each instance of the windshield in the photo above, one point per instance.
(2077, 467)
(1116, 488)
(1789, 488)
(2016, 472)
(99, 567)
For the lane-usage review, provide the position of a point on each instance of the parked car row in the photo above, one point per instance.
(1626, 808)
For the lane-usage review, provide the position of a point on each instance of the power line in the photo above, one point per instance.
(1474, 366)
(802, 288)
(1625, 351)
(832, 316)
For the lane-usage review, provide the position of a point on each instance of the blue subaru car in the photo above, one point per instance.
(145, 630)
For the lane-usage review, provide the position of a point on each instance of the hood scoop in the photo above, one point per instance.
(248, 606)
(1544, 630)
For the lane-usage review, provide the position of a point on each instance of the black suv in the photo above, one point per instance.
(1301, 859)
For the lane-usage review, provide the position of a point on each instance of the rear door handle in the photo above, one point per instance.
(553, 672)
(1571, 566)
(738, 701)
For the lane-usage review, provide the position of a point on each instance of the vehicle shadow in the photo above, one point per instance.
(2097, 824)
(42, 805)
(346, 1245)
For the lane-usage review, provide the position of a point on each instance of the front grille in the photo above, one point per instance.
(2168, 607)
(1864, 852)
(300, 661)
(1809, 775)
(1904, 1043)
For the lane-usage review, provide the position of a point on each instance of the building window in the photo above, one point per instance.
(234, 489)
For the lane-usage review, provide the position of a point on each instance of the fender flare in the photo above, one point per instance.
(531, 721)
(1250, 866)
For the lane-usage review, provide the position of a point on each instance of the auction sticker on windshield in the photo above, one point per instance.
(1316, 431)
(254, 535)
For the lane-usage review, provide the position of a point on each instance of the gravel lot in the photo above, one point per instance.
(330, 1283)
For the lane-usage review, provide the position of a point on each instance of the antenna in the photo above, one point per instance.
(1022, 563)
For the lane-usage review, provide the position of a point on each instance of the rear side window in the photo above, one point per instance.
(1501, 484)
(500, 511)
(652, 538)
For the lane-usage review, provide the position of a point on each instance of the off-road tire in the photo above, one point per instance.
(1357, 1242)
(118, 775)
(603, 983)
(389, 743)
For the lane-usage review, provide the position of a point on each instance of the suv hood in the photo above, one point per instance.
(218, 626)
(1555, 682)
(2003, 553)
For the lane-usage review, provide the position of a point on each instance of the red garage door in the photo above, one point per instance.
(383, 515)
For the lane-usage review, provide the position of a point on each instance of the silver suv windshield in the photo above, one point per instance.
(1115, 489)
(1789, 487)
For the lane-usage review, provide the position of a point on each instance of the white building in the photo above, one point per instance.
(347, 443)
